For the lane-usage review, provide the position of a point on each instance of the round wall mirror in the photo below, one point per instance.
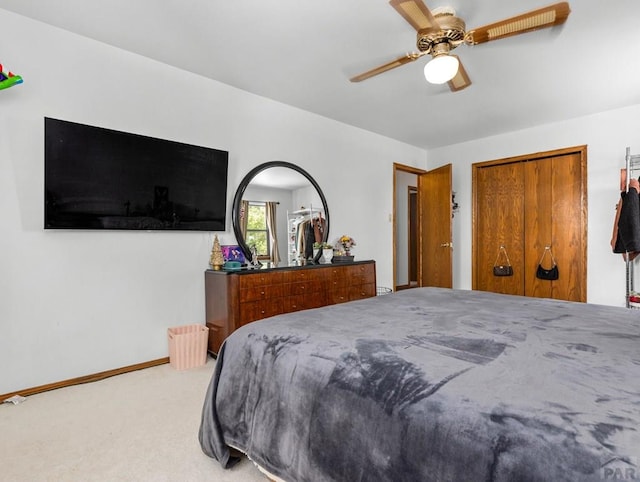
(279, 204)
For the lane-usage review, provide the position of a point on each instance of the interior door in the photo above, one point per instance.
(499, 221)
(435, 213)
(553, 186)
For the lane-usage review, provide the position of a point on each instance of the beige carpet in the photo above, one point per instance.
(140, 426)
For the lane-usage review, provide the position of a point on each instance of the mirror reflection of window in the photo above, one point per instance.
(257, 232)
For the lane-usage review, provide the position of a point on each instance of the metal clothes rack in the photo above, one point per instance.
(632, 163)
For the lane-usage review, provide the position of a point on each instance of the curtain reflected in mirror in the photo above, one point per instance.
(244, 216)
(274, 252)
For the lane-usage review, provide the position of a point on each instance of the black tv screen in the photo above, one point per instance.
(98, 178)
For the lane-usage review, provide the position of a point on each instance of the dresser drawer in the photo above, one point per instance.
(305, 275)
(293, 303)
(304, 302)
(337, 271)
(256, 310)
(338, 284)
(338, 277)
(361, 292)
(261, 293)
(304, 287)
(360, 274)
(338, 296)
(217, 334)
(261, 279)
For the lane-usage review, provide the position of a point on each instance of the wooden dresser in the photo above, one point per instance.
(235, 298)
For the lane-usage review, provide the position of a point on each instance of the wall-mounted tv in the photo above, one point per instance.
(97, 178)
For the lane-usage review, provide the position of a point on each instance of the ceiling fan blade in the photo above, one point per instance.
(461, 79)
(416, 13)
(405, 59)
(541, 18)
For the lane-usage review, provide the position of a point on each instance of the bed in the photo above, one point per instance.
(431, 384)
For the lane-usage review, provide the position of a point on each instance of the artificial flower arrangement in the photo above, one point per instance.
(347, 242)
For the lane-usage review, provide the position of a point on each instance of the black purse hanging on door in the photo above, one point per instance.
(502, 269)
(547, 274)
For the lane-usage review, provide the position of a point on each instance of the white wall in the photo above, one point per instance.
(607, 135)
(78, 302)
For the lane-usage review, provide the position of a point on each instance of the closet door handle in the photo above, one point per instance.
(446, 245)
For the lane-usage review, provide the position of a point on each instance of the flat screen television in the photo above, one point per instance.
(97, 178)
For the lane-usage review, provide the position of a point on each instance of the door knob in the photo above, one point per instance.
(446, 245)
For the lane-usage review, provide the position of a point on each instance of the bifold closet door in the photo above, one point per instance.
(499, 221)
(553, 217)
(539, 198)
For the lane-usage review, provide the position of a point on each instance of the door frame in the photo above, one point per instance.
(412, 170)
(413, 227)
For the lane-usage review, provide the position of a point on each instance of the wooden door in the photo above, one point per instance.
(435, 213)
(538, 177)
(499, 221)
(569, 215)
(553, 186)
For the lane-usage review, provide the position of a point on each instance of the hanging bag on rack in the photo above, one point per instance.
(547, 274)
(502, 269)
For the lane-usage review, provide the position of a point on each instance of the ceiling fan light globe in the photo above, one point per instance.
(441, 69)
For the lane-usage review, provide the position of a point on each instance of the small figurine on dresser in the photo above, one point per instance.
(255, 262)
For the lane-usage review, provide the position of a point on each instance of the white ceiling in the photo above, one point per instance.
(303, 52)
(280, 178)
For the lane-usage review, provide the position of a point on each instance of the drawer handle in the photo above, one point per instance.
(262, 293)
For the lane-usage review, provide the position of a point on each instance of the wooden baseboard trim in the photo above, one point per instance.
(85, 379)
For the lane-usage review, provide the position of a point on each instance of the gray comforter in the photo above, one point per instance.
(432, 385)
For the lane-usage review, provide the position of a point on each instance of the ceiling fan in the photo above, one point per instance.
(440, 31)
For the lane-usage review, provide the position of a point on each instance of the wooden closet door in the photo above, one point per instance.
(527, 203)
(499, 220)
(570, 227)
(539, 204)
(556, 216)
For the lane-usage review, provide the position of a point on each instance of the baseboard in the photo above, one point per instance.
(85, 379)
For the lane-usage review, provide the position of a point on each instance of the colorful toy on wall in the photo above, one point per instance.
(8, 79)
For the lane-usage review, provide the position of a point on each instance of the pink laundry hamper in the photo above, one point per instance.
(188, 346)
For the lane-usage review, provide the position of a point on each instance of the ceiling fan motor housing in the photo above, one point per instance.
(451, 32)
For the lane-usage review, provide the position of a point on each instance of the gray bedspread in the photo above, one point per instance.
(432, 384)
